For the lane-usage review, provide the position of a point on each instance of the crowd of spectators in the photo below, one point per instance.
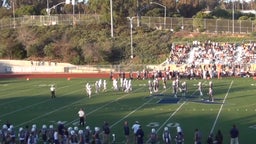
(235, 59)
(213, 52)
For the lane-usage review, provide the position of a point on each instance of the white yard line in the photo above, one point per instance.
(176, 110)
(8, 95)
(131, 113)
(171, 116)
(117, 100)
(21, 91)
(32, 105)
(223, 102)
(76, 120)
(46, 114)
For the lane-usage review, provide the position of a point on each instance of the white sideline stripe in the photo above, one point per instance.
(218, 115)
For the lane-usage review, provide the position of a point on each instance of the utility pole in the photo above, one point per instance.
(138, 13)
(111, 18)
(13, 13)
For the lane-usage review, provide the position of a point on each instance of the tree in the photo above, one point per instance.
(188, 8)
(26, 10)
(11, 47)
(5, 13)
(211, 4)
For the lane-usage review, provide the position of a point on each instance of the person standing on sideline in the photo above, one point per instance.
(179, 138)
(106, 132)
(234, 134)
(126, 132)
(219, 137)
(81, 115)
(52, 89)
(166, 136)
(210, 139)
(153, 136)
(140, 135)
(135, 128)
(197, 136)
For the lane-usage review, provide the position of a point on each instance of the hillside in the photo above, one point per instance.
(92, 44)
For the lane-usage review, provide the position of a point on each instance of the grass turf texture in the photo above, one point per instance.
(26, 102)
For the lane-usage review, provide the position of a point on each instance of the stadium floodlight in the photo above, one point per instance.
(48, 10)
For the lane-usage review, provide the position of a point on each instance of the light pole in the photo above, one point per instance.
(111, 17)
(48, 10)
(73, 3)
(131, 18)
(233, 17)
(13, 13)
(164, 11)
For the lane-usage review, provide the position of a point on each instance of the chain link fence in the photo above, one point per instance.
(199, 25)
(172, 23)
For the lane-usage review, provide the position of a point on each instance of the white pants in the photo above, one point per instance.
(234, 140)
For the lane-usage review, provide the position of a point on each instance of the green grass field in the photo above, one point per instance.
(29, 102)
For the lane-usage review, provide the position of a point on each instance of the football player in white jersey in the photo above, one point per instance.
(200, 88)
(115, 85)
(150, 86)
(184, 88)
(211, 94)
(174, 88)
(164, 80)
(104, 85)
(88, 90)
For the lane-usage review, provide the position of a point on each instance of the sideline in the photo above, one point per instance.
(218, 115)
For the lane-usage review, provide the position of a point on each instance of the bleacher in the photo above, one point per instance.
(210, 53)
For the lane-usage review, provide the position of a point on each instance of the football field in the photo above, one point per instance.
(26, 102)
